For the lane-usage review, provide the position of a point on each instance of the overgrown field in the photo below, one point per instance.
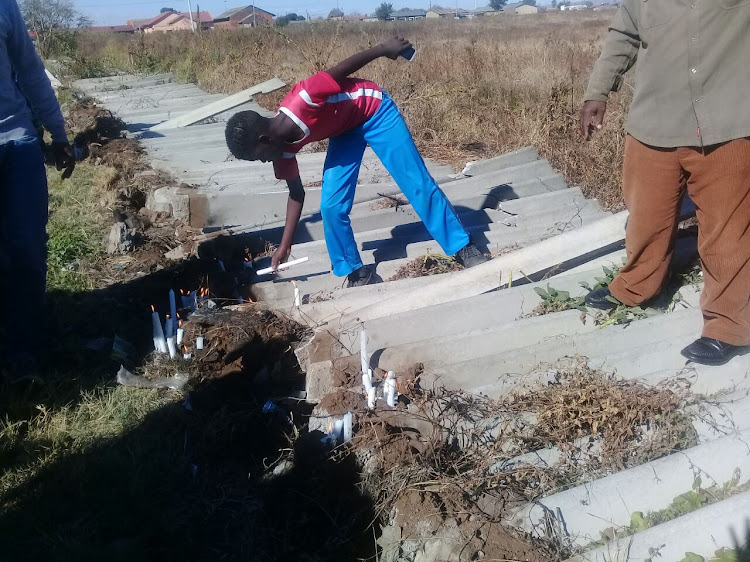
(476, 89)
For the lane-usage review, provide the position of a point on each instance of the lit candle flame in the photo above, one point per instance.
(182, 292)
(153, 309)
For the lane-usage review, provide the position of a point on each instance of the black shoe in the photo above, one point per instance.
(600, 298)
(469, 256)
(359, 278)
(708, 351)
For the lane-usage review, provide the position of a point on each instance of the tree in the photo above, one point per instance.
(530, 2)
(336, 13)
(282, 21)
(497, 4)
(165, 10)
(554, 3)
(55, 23)
(291, 16)
(384, 11)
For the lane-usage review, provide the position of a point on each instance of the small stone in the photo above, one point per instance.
(120, 239)
(479, 555)
(176, 254)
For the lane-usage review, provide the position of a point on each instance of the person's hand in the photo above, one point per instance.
(393, 46)
(592, 117)
(280, 256)
(64, 158)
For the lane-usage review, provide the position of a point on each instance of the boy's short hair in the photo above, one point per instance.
(242, 133)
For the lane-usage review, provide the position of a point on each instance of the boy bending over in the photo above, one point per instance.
(352, 113)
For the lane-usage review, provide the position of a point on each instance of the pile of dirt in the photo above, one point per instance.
(430, 264)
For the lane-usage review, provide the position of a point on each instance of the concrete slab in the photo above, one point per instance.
(492, 165)
(591, 509)
(700, 532)
(229, 102)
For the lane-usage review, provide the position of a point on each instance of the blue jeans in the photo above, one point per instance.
(391, 141)
(23, 246)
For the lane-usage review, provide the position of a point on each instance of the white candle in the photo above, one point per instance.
(389, 389)
(187, 356)
(367, 381)
(296, 295)
(180, 334)
(285, 265)
(199, 342)
(172, 346)
(371, 398)
(168, 327)
(172, 304)
(160, 343)
(363, 350)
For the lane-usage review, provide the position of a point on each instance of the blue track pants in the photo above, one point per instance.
(391, 141)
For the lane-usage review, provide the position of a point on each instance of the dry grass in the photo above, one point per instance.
(430, 264)
(586, 423)
(475, 90)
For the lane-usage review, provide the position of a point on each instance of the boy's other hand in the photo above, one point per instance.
(592, 118)
(280, 256)
(393, 46)
(64, 158)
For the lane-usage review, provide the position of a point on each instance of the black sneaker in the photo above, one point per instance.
(359, 278)
(602, 299)
(469, 256)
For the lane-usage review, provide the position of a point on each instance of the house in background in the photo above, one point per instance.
(146, 25)
(442, 13)
(246, 16)
(520, 8)
(486, 11)
(574, 8)
(181, 21)
(406, 14)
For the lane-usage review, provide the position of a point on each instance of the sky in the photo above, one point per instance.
(112, 12)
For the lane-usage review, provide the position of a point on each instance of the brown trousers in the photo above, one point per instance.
(717, 179)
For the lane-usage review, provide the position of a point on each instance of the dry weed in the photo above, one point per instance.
(585, 423)
(430, 264)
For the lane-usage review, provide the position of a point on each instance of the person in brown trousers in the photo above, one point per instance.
(688, 130)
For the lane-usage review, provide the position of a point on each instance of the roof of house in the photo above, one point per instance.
(445, 12)
(407, 13)
(229, 13)
(115, 28)
(150, 22)
(485, 9)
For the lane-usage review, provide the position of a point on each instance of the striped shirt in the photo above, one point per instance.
(323, 108)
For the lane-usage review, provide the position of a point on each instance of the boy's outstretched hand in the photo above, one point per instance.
(393, 46)
(280, 256)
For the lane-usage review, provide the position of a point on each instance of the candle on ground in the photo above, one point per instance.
(363, 350)
(168, 327)
(180, 332)
(199, 342)
(172, 304)
(296, 294)
(172, 346)
(389, 389)
(160, 343)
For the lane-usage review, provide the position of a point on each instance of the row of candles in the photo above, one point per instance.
(168, 339)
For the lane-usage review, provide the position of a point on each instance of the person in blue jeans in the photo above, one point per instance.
(352, 113)
(25, 93)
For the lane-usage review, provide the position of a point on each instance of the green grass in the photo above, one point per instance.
(75, 226)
